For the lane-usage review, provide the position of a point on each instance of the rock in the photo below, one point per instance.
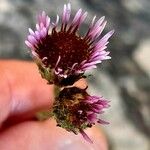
(121, 132)
(142, 55)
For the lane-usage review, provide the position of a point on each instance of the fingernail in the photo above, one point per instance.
(75, 145)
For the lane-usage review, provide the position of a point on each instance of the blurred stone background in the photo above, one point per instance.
(125, 80)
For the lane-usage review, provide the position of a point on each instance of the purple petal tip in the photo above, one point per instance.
(86, 137)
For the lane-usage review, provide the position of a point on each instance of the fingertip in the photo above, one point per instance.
(5, 97)
(45, 135)
(25, 90)
(66, 140)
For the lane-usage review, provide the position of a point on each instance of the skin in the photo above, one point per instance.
(23, 93)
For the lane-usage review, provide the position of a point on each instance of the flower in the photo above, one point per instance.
(62, 51)
(63, 56)
(75, 110)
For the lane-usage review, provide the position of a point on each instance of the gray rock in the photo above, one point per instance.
(122, 132)
(142, 55)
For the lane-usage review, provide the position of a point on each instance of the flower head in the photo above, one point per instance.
(63, 55)
(61, 50)
(75, 110)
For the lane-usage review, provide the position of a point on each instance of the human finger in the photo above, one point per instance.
(45, 135)
(22, 90)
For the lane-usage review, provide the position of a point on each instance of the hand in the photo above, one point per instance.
(23, 93)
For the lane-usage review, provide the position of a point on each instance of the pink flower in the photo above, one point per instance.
(63, 55)
(63, 50)
(75, 110)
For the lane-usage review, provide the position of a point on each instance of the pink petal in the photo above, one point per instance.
(85, 136)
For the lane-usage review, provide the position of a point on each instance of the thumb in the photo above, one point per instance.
(46, 135)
